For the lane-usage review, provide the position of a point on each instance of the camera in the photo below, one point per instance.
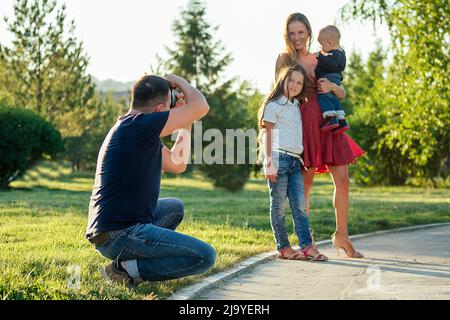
(173, 97)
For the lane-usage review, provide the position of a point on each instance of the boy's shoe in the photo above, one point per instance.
(329, 124)
(343, 126)
(113, 274)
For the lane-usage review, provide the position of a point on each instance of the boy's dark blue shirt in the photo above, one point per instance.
(333, 63)
(128, 175)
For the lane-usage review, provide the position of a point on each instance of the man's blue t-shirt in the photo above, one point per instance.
(128, 175)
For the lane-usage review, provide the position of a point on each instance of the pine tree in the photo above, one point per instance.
(201, 59)
(197, 56)
(46, 65)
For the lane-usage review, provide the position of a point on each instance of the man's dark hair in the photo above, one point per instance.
(149, 91)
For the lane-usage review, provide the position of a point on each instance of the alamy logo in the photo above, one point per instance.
(374, 280)
(74, 281)
(234, 146)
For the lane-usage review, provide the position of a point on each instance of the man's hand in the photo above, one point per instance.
(176, 81)
(194, 107)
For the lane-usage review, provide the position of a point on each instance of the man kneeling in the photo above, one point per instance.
(127, 222)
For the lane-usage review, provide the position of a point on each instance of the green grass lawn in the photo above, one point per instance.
(43, 220)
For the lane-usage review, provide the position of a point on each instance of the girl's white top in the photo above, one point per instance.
(287, 134)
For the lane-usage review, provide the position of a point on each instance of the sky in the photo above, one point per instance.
(122, 38)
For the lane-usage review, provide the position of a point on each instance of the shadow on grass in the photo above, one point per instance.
(11, 189)
(248, 208)
(368, 215)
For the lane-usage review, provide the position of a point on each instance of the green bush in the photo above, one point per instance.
(229, 111)
(231, 177)
(82, 152)
(25, 138)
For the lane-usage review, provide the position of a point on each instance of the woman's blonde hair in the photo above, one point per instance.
(278, 91)
(296, 17)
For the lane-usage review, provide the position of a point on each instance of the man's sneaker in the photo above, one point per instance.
(329, 124)
(343, 126)
(113, 274)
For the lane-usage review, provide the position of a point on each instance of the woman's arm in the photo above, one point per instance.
(324, 86)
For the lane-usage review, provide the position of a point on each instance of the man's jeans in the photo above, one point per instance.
(155, 252)
(289, 184)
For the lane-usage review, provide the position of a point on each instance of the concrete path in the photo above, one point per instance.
(403, 265)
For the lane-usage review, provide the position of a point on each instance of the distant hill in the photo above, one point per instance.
(110, 85)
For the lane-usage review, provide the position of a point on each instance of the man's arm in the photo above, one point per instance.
(196, 107)
(176, 159)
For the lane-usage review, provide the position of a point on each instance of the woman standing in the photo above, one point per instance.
(323, 152)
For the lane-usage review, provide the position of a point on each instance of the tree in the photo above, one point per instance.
(82, 151)
(360, 76)
(5, 97)
(197, 56)
(229, 111)
(45, 66)
(410, 107)
(353, 79)
(252, 100)
(201, 59)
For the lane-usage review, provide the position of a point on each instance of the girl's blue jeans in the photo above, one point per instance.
(155, 252)
(289, 185)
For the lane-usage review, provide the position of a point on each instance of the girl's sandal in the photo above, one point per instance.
(282, 254)
(318, 257)
(311, 232)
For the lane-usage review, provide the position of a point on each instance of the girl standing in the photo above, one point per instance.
(280, 125)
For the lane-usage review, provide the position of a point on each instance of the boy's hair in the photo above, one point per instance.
(149, 91)
(331, 31)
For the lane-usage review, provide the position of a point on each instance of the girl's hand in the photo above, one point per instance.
(270, 171)
(324, 85)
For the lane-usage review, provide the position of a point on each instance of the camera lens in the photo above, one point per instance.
(173, 98)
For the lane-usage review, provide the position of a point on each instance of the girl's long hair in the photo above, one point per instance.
(295, 17)
(278, 91)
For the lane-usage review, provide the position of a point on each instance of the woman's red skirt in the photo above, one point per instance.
(322, 149)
